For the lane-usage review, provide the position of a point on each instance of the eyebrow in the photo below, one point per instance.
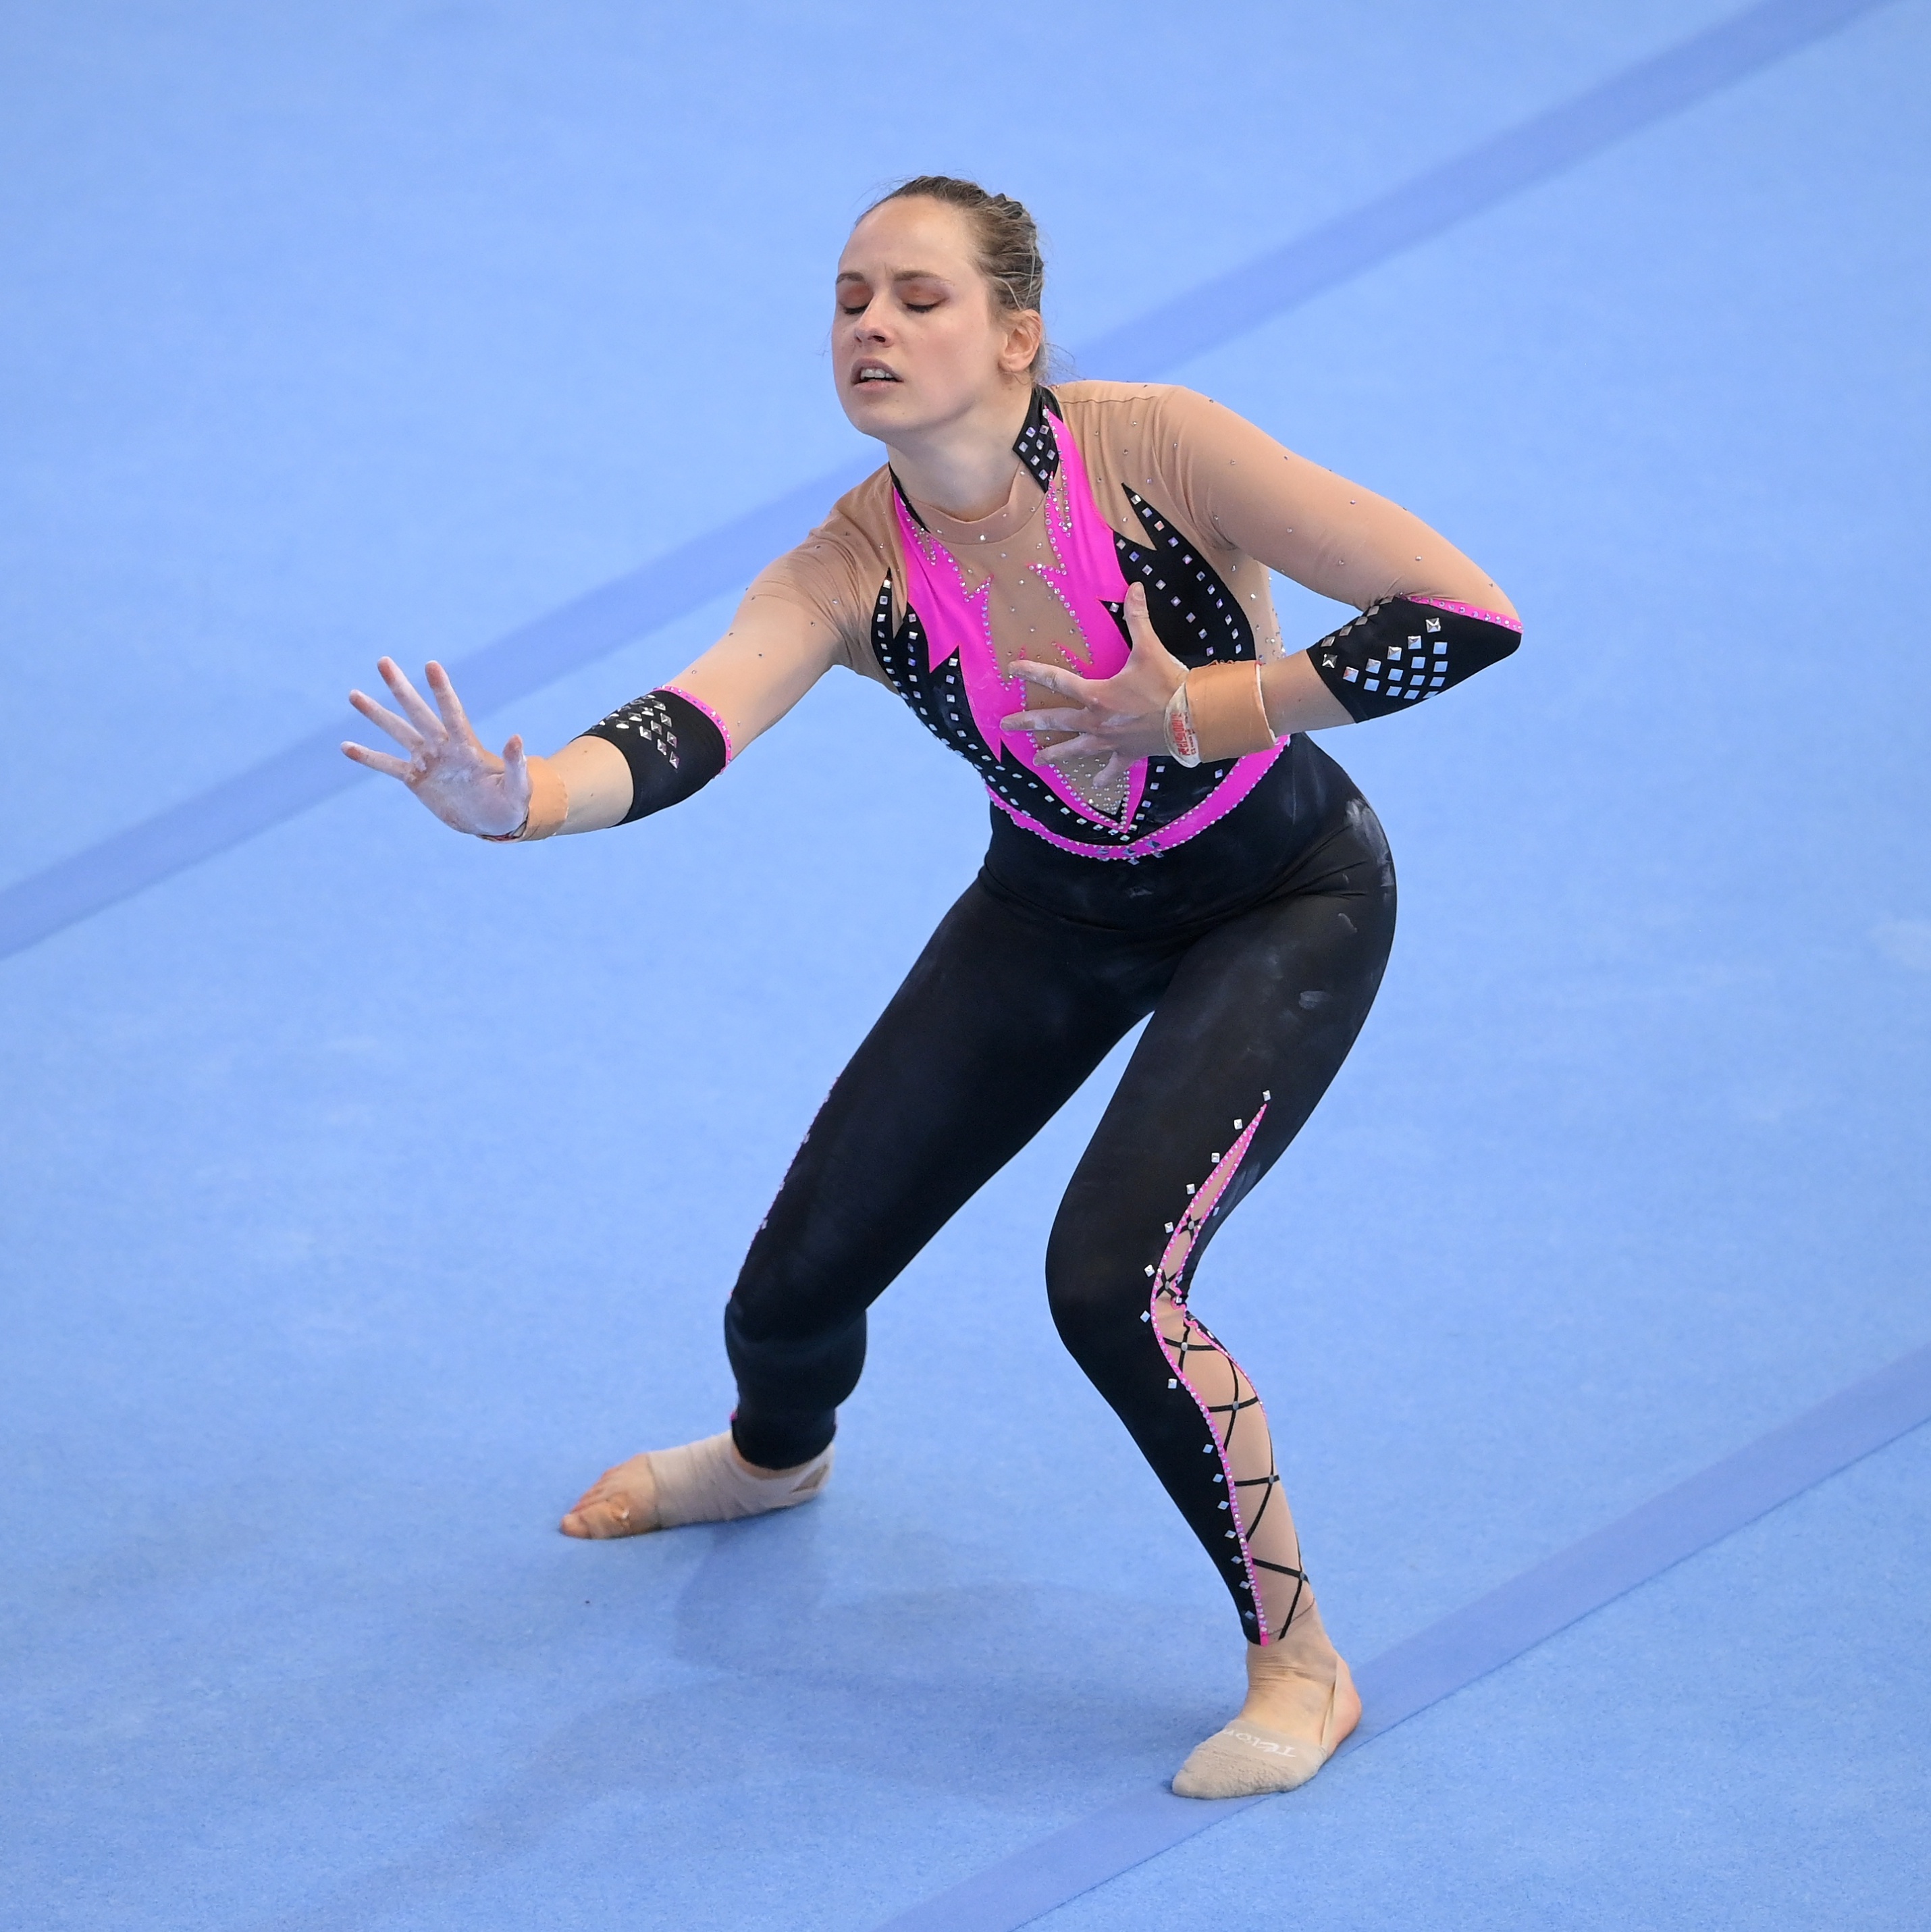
(903, 275)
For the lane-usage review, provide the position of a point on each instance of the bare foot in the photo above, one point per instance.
(622, 1502)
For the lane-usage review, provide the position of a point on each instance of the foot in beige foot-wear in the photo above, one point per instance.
(701, 1482)
(1290, 1725)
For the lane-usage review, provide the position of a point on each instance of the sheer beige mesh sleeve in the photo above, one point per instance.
(805, 613)
(1335, 538)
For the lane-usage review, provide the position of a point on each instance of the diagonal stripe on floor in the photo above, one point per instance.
(1217, 311)
(1466, 1645)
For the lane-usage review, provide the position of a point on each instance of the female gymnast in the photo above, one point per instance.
(1069, 586)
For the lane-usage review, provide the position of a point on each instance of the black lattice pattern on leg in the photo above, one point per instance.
(1237, 1433)
(1204, 1367)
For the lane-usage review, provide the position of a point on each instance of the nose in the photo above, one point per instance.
(870, 326)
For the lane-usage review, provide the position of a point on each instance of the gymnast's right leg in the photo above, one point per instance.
(1002, 1017)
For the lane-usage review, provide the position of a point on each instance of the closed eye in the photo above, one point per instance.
(859, 308)
(917, 294)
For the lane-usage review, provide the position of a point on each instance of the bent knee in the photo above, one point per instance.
(1097, 1295)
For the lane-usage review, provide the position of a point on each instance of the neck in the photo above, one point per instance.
(965, 467)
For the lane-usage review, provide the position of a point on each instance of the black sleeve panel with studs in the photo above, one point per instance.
(671, 748)
(1403, 650)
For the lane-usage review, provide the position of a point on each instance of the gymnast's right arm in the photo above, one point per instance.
(653, 752)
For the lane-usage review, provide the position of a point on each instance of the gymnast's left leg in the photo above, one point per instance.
(1246, 1039)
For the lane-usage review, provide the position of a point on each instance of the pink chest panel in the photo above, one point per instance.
(946, 662)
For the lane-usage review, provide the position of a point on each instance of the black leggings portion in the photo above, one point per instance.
(1006, 1012)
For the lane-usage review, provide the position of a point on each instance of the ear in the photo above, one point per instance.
(1024, 334)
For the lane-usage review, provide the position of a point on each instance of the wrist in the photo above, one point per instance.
(1229, 711)
(1176, 721)
(549, 806)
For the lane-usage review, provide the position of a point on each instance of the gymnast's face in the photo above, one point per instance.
(917, 343)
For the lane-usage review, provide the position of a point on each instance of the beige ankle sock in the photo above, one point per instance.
(1245, 1758)
(698, 1482)
(709, 1482)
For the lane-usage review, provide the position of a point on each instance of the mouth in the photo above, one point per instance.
(866, 374)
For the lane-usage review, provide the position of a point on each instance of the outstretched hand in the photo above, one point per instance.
(1123, 716)
(448, 766)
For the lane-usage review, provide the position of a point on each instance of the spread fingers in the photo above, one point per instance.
(454, 716)
(1047, 720)
(378, 761)
(411, 700)
(1055, 678)
(399, 729)
(1081, 747)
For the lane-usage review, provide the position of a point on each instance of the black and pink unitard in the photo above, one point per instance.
(1243, 909)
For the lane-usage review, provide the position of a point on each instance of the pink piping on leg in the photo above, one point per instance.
(1172, 1265)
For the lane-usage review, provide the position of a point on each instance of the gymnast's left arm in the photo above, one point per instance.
(1431, 617)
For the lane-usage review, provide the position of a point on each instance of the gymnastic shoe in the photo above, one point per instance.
(1244, 1759)
(699, 1482)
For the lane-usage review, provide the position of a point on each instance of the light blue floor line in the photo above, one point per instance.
(1218, 311)
(1466, 1645)
(1522, 157)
